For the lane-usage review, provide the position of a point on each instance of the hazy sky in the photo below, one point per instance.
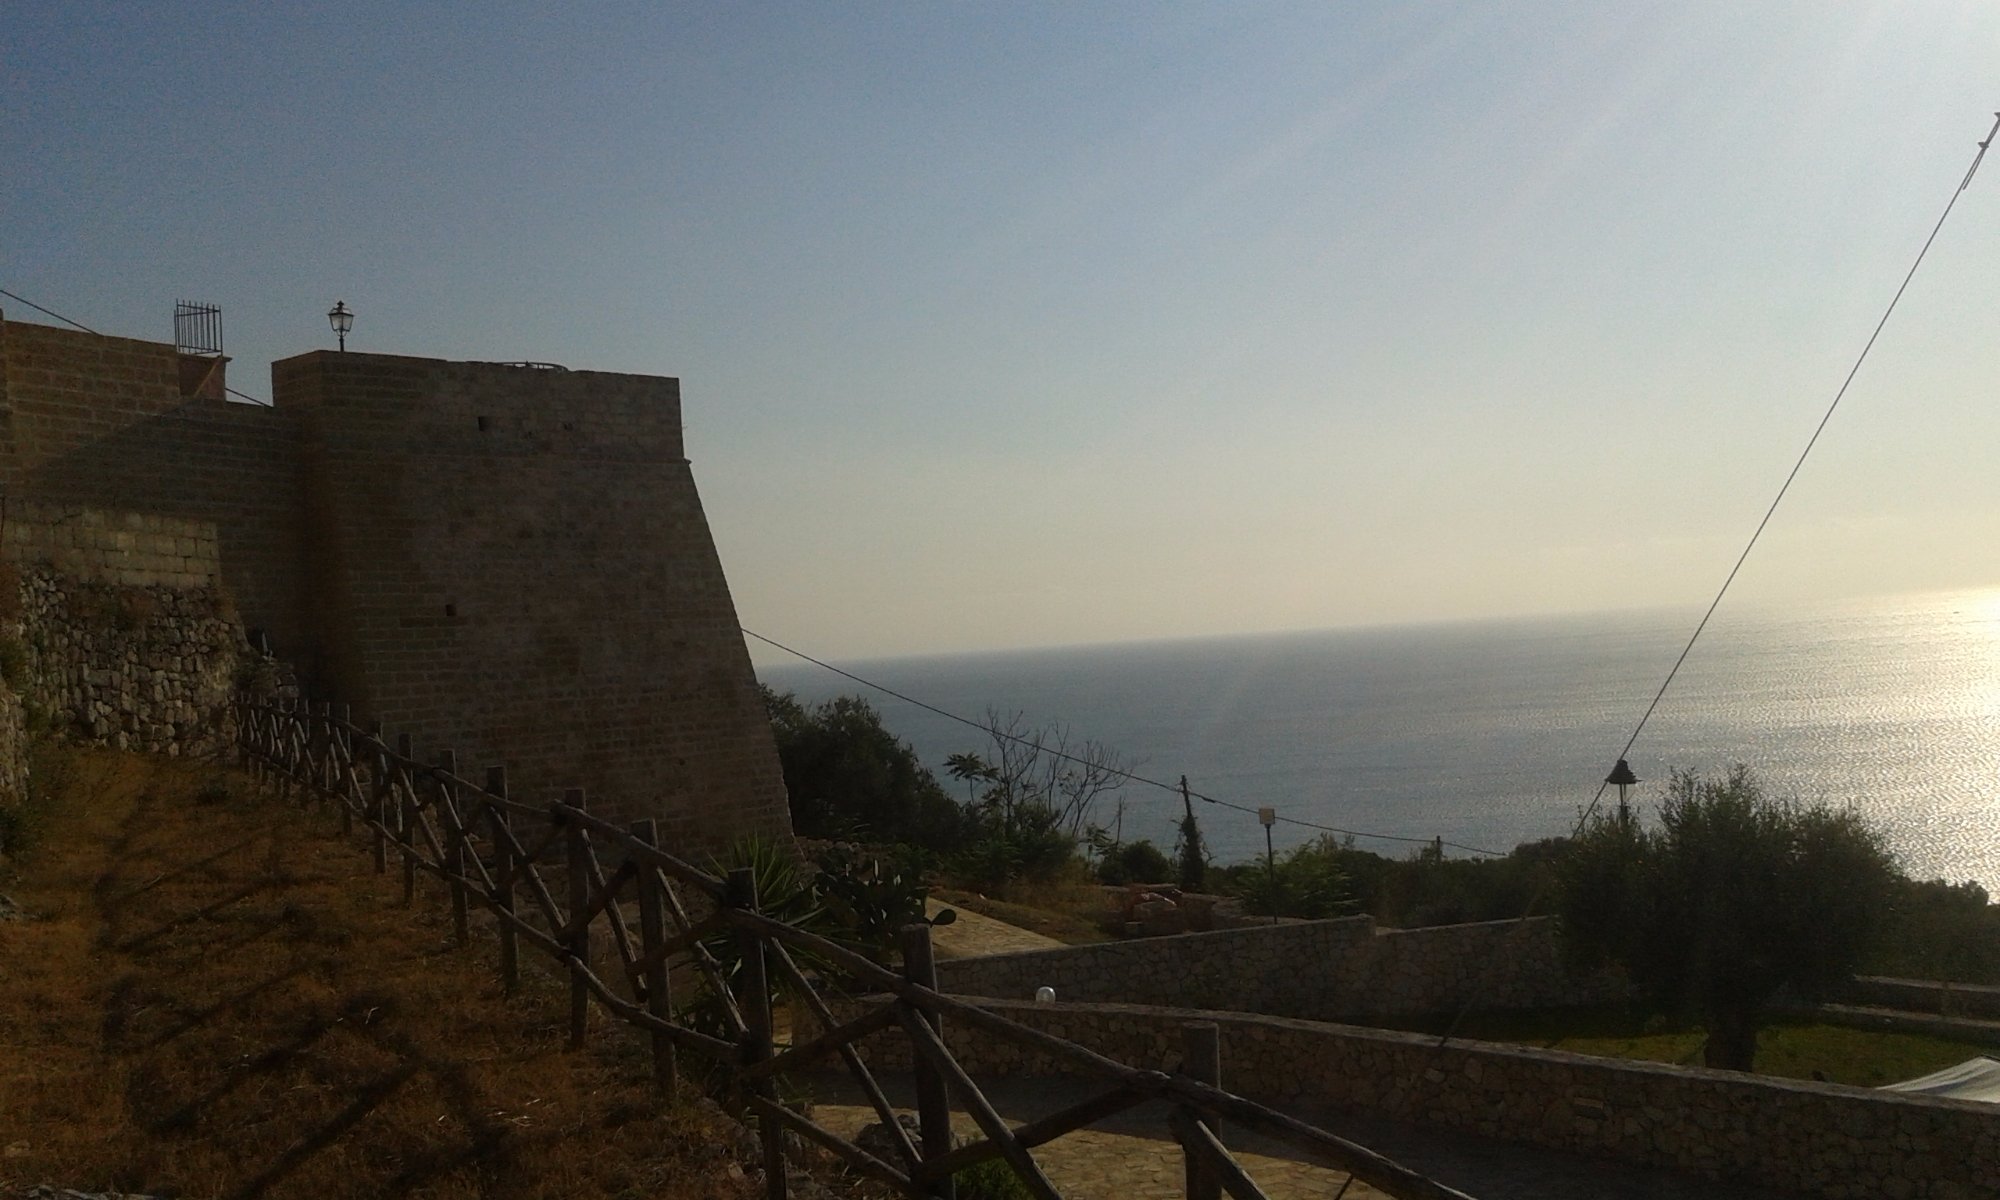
(1012, 324)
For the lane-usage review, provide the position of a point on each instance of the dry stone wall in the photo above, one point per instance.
(146, 667)
(1819, 1139)
(116, 627)
(1342, 968)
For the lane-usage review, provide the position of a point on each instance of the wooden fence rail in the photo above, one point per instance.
(499, 853)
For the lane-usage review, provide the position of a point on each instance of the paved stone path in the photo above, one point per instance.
(974, 934)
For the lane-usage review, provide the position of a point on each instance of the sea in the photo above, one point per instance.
(1488, 734)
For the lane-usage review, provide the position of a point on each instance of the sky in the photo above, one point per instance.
(1022, 324)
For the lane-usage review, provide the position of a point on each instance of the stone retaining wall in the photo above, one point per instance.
(1817, 1138)
(1342, 968)
(117, 629)
(1964, 1000)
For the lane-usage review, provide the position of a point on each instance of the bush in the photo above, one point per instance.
(1307, 882)
(870, 897)
(1134, 862)
(990, 1180)
(1033, 846)
(1734, 898)
(849, 778)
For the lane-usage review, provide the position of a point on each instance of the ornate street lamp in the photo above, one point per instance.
(1622, 778)
(341, 319)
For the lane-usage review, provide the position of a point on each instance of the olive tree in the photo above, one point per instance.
(1733, 898)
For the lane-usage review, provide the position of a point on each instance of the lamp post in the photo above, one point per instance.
(1269, 817)
(1622, 778)
(341, 319)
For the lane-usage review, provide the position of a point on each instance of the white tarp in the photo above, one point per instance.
(1973, 1079)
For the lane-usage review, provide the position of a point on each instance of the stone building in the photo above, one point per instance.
(508, 561)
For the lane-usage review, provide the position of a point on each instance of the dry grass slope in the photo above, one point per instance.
(215, 996)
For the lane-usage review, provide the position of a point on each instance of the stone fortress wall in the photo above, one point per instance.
(505, 561)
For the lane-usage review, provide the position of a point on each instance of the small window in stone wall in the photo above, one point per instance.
(451, 610)
(485, 423)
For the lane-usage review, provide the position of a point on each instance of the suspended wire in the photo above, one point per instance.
(1796, 466)
(48, 311)
(1133, 776)
(1541, 891)
(87, 329)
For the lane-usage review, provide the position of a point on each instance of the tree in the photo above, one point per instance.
(848, 776)
(1733, 898)
(1040, 789)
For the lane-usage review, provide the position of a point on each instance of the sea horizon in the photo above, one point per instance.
(1490, 732)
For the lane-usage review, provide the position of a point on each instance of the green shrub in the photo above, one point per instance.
(1134, 862)
(1028, 843)
(1307, 882)
(990, 1180)
(870, 897)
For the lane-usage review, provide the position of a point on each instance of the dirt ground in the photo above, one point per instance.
(212, 994)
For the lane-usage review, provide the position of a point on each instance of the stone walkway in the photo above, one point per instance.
(1132, 1156)
(974, 935)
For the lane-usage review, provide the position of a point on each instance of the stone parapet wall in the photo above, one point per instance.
(1342, 968)
(1820, 1139)
(123, 549)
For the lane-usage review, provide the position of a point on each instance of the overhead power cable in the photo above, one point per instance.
(1541, 891)
(1796, 466)
(1133, 776)
(87, 329)
(48, 311)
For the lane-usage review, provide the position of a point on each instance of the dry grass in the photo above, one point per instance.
(216, 996)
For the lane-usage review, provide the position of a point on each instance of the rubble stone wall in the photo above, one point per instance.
(1976, 1001)
(118, 631)
(1344, 968)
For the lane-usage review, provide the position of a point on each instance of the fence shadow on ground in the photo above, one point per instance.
(635, 922)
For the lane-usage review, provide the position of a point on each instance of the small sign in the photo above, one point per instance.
(1269, 816)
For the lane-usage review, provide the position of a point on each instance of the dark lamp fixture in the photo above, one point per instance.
(1622, 778)
(341, 319)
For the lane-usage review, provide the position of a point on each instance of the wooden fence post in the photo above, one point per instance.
(652, 936)
(503, 878)
(378, 786)
(344, 737)
(579, 938)
(933, 1096)
(1201, 1061)
(755, 997)
(406, 821)
(323, 742)
(454, 842)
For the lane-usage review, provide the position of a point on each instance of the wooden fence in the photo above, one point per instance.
(501, 854)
